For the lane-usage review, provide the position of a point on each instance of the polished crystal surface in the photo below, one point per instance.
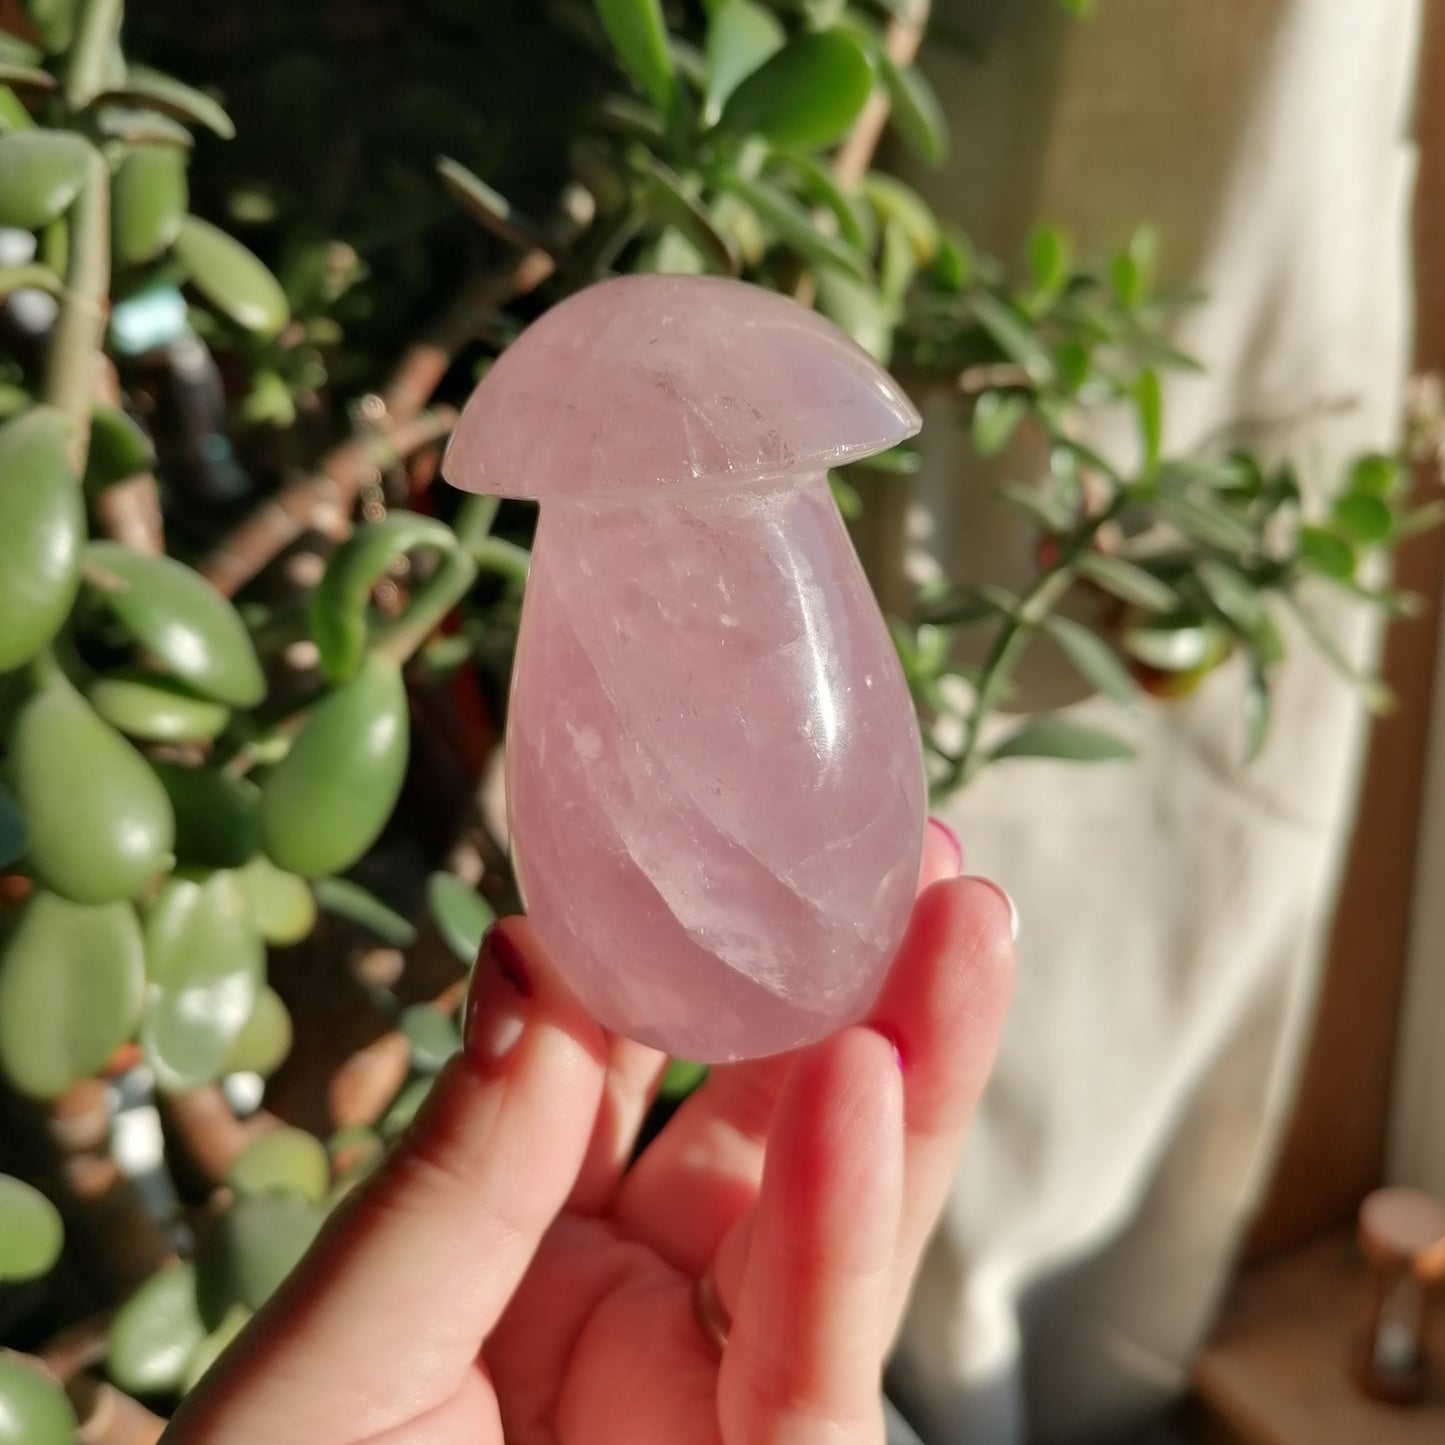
(715, 786)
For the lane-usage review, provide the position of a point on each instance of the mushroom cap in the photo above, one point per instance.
(662, 381)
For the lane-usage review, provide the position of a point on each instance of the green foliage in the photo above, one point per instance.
(327, 800)
(282, 1161)
(42, 532)
(99, 822)
(203, 727)
(33, 1410)
(30, 1231)
(155, 1334)
(72, 979)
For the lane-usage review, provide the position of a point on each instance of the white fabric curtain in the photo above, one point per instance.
(1173, 908)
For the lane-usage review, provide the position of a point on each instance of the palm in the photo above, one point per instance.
(601, 1347)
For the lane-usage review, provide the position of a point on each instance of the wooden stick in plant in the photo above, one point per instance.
(901, 39)
(281, 519)
(322, 502)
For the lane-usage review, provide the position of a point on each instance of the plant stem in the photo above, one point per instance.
(1044, 594)
(72, 366)
(901, 39)
(428, 605)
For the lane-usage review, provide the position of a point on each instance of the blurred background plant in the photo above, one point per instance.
(253, 658)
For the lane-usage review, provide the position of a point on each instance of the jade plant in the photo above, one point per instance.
(253, 659)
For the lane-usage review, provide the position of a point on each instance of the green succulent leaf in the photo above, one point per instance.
(217, 815)
(214, 1345)
(149, 197)
(282, 1161)
(432, 1035)
(33, 1409)
(1231, 592)
(100, 824)
(155, 1333)
(669, 200)
(354, 903)
(857, 307)
(681, 1078)
(175, 97)
(486, 205)
(282, 904)
(1257, 712)
(741, 36)
(31, 1234)
(250, 1250)
(176, 614)
(54, 22)
(42, 531)
(896, 202)
(328, 799)
(264, 1042)
(15, 51)
(1326, 553)
(794, 227)
(814, 182)
(1205, 518)
(806, 96)
(1056, 737)
(1128, 581)
(1362, 518)
(1375, 475)
(1149, 406)
(916, 111)
(462, 914)
(119, 449)
(26, 76)
(1014, 336)
(1096, 661)
(996, 417)
(72, 979)
(639, 37)
(206, 964)
(41, 173)
(1050, 260)
(233, 280)
(156, 709)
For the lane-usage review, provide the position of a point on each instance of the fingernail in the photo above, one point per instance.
(497, 1001)
(1013, 912)
(893, 1043)
(951, 838)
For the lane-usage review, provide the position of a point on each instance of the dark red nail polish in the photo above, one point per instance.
(496, 1013)
(500, 951)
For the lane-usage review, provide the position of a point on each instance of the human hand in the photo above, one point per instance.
(506, 1275)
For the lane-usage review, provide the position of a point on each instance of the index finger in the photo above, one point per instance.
(388, 1310)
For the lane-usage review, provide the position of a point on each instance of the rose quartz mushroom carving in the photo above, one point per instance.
(715, 787)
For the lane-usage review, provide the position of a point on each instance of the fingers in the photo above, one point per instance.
(944, 1007)
(633, 1074)
(942, 854)
(702, 1174)
(390, 1307)
(805, 1353)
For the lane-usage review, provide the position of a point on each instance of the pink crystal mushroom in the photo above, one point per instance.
(715, 787)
